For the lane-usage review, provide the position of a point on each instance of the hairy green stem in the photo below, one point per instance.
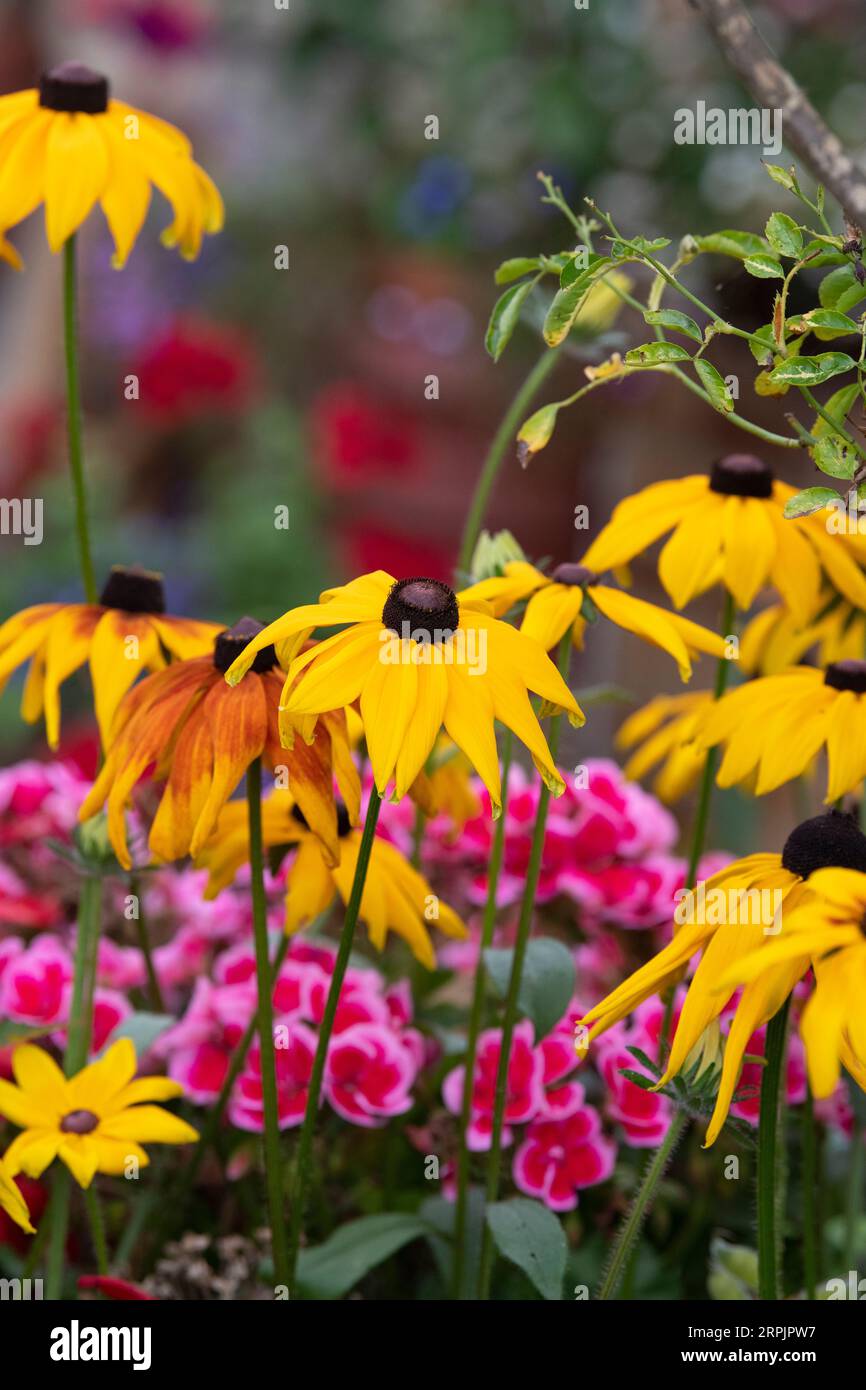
(810, 1192)
(303, 1162)
(629, 1231)
(146, 947)
(73, 419)
(476, 1016)
(273, 1158)
(97, 1229)
(770, 1158)
(854, 1193)
(504, 436)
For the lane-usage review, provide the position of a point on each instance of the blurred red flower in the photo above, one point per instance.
(195, 368)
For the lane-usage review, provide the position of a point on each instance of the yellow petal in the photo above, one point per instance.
(76, 172)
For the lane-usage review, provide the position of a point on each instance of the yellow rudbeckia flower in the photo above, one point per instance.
(396, 897)
(827, 931)
(776, 639)
(730, 925)
(95, 1121)
(68, 145)
(418, 657)
(557, 603)
(201, 736)
(126, 633)
(664, 731)
(12, 1202)
(729, 528)
(775, 725)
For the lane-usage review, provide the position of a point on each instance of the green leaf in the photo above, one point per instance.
(531, 1237)
(811, 499)
(672, 318)
(763, 355)
(841, 289)
(764, 268)
(547, 983)
(516, 268)
(331, 1269)
(505, 317)
(851, 297)
(785, 177)
(811, 371)
(837, 407)
(143, 1028)
(637, 1078)
(784, 235)
(714, 385)
(16, 1033)
(640, 243)
(536, 431)
(649, 354)
(732, 243)
(834, 456)
(577, 266)
(820, 254)
(566, 303)
(827, 319)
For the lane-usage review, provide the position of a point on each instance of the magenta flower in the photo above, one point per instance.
(368, 1075)
(559, 1157)
(525, 1093)
(296, 1048)
(36, 983)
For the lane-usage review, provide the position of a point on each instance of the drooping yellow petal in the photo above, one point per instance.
(12, 1202)
(388, 702)
(76, 173)
(689, 560)
(22, 166)
(126, 196)
(642, 518)
(750, 547)
(550, 613)
(645, 621)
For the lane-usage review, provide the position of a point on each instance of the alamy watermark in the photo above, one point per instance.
(738, 126)
(730, 907)
(466, 647)
(22, 516)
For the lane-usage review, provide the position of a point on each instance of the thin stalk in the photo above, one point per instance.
(273, 1161)
(476, 1016)
(509, 425)
(810, 1193)
(97, 1229)
(57, 1220)
(770, 1155)
(146, 946)
(509, 1019)
(73, 419)
(631, 1228)
(303, 1164)
(854, 1194)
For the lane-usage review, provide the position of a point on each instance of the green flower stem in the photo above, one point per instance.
(631, 1228)
(475, 1019)
(509, 1019)
(504, 436)
(73, 419)
(303, 1163)
(854, 1193)
(770, 1158)
(97, 1229)
(146, 947)
(810, 1192)
(273, 1162)
(57, 1221)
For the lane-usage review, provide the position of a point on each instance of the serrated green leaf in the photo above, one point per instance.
(811, 499)
(840, 289)
(763, 354)
(637, 1078)
(516, 268)
(578, 265)
(566, 303)
(531, 1237)
(650, 353)
(732, 243)
(784, 235)
(764, 267)
(673, 319)
(811, 371)
(835, 457)
(505, 318)
(714, 385)
(828, 319)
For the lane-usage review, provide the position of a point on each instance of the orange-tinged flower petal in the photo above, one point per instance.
(238, 720)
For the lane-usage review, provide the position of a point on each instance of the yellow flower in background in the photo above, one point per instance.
(736, 919)
(827, 931)
(200, 736)
(557, 603)
(775, 725)
(729, 528)
(450, 778)
(418, 658)
(775, 639)
(127, 633)
(69, 145)
(12, 1202)
(95, 1121)
(664, 731)
(396, 897)
(604, 303)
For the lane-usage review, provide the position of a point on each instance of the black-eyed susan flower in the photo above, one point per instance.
(201, 735)
(733, 917)
(69, 145)
(418, 658)
(12, 1202)
(827, 931)
(126, 633)
(563, 600)
(774, 726)
(775, 638)
(94, 1122)
(663, 732)
(396, 898)
(729, 528)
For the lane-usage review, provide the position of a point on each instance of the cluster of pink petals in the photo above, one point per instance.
(563, 1148)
